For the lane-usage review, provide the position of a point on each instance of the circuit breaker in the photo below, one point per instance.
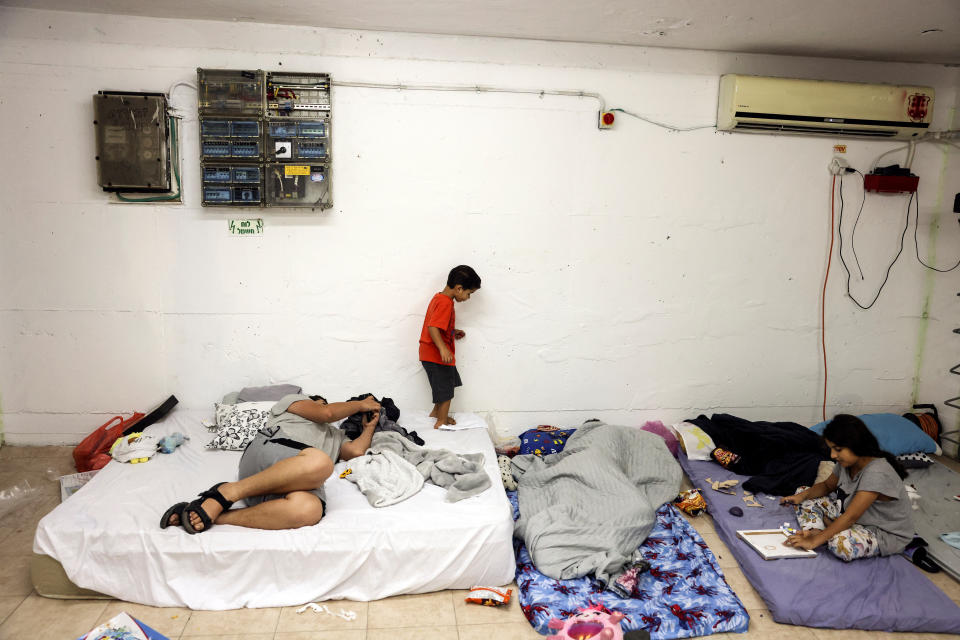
(133, 152)
(264, 138)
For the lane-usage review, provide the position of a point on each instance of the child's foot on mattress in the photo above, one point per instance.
(450, 420)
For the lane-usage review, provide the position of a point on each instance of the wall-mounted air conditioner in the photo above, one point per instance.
(818, 107)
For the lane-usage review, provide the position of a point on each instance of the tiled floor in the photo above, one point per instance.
(432, 616)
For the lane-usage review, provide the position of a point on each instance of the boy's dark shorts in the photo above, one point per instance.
(443, 378)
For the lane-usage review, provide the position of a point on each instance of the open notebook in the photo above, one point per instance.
(769, 544)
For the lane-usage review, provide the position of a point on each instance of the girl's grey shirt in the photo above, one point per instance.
(322, 436)
(888, 520)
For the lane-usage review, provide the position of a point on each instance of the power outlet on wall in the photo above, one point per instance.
(837, 165)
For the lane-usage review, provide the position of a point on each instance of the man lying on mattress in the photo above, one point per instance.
(283, 469)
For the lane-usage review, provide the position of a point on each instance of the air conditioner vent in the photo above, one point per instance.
(817, 131)
(818, 107)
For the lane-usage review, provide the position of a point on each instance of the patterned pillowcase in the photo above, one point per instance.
(543, 443)
(918, 460)
(237, 424)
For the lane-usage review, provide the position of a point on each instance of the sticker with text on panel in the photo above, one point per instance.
(252, 227)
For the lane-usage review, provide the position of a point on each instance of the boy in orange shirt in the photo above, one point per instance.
(436, 340)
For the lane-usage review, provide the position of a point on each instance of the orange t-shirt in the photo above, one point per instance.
(440, 314)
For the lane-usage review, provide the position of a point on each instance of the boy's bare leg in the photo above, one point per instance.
(442, 409)
(436, 408)
(305, 471)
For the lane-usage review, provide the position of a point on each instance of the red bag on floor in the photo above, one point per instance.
(94, 451)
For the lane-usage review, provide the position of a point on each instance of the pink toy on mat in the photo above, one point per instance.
(591, 623)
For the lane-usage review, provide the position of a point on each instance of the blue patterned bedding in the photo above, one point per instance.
(684, 593)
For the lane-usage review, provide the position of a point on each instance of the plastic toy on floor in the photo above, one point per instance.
(593, 623)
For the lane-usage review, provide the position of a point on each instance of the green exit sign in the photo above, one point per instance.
(246, 227)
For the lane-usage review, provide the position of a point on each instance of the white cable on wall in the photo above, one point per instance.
(472, 89)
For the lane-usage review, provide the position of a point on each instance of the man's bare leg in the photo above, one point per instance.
(297, 509)
(433, 414)
(305, 471)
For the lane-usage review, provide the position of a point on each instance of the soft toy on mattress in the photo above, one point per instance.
(506, 474)
(593, 623)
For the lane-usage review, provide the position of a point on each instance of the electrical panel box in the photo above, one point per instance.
(294, 185)
(264, 138)
(230, 92)
(133, 141)
(297, 95)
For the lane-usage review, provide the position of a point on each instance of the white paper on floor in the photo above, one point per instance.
(349, 616)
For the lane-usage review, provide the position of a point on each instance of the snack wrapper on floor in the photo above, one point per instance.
(489, 596)
(691, 502)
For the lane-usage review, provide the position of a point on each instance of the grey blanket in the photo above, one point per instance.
(462, 475)
(586, 509)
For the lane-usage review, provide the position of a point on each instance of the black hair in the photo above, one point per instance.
(315, 398)
(464, 276)
(850, 432)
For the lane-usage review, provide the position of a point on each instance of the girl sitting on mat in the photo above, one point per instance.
(871, 514)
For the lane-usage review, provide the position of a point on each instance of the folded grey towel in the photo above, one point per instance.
(384, 478)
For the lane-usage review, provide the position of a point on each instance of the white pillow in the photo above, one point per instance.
(695, 441)
(237, 424)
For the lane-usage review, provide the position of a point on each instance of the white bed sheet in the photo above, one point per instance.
(107, 535)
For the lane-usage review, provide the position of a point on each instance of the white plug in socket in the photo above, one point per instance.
(837, 165)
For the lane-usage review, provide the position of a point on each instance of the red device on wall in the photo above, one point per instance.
(892, 179)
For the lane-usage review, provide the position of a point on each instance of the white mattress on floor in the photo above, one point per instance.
(108, 539)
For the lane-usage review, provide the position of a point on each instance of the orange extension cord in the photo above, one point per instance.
(823, 300)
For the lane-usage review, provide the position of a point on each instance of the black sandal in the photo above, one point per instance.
(176, 509)
(195, 507)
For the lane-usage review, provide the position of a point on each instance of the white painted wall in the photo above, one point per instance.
(630, 274)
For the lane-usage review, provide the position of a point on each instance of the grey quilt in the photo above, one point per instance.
(462, 475)
(586, 509)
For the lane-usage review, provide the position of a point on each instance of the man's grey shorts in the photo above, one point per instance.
(265, 451)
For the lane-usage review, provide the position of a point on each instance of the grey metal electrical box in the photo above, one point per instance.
(132, 141)
(264, 138)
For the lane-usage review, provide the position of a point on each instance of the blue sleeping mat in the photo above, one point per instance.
(682, 595)
(881, 594)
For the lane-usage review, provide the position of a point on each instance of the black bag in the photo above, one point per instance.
(916, 552)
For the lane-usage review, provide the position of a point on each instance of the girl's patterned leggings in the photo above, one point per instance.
(855, 542)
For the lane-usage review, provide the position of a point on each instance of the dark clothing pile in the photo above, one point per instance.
(780, 456)
(389, 414)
